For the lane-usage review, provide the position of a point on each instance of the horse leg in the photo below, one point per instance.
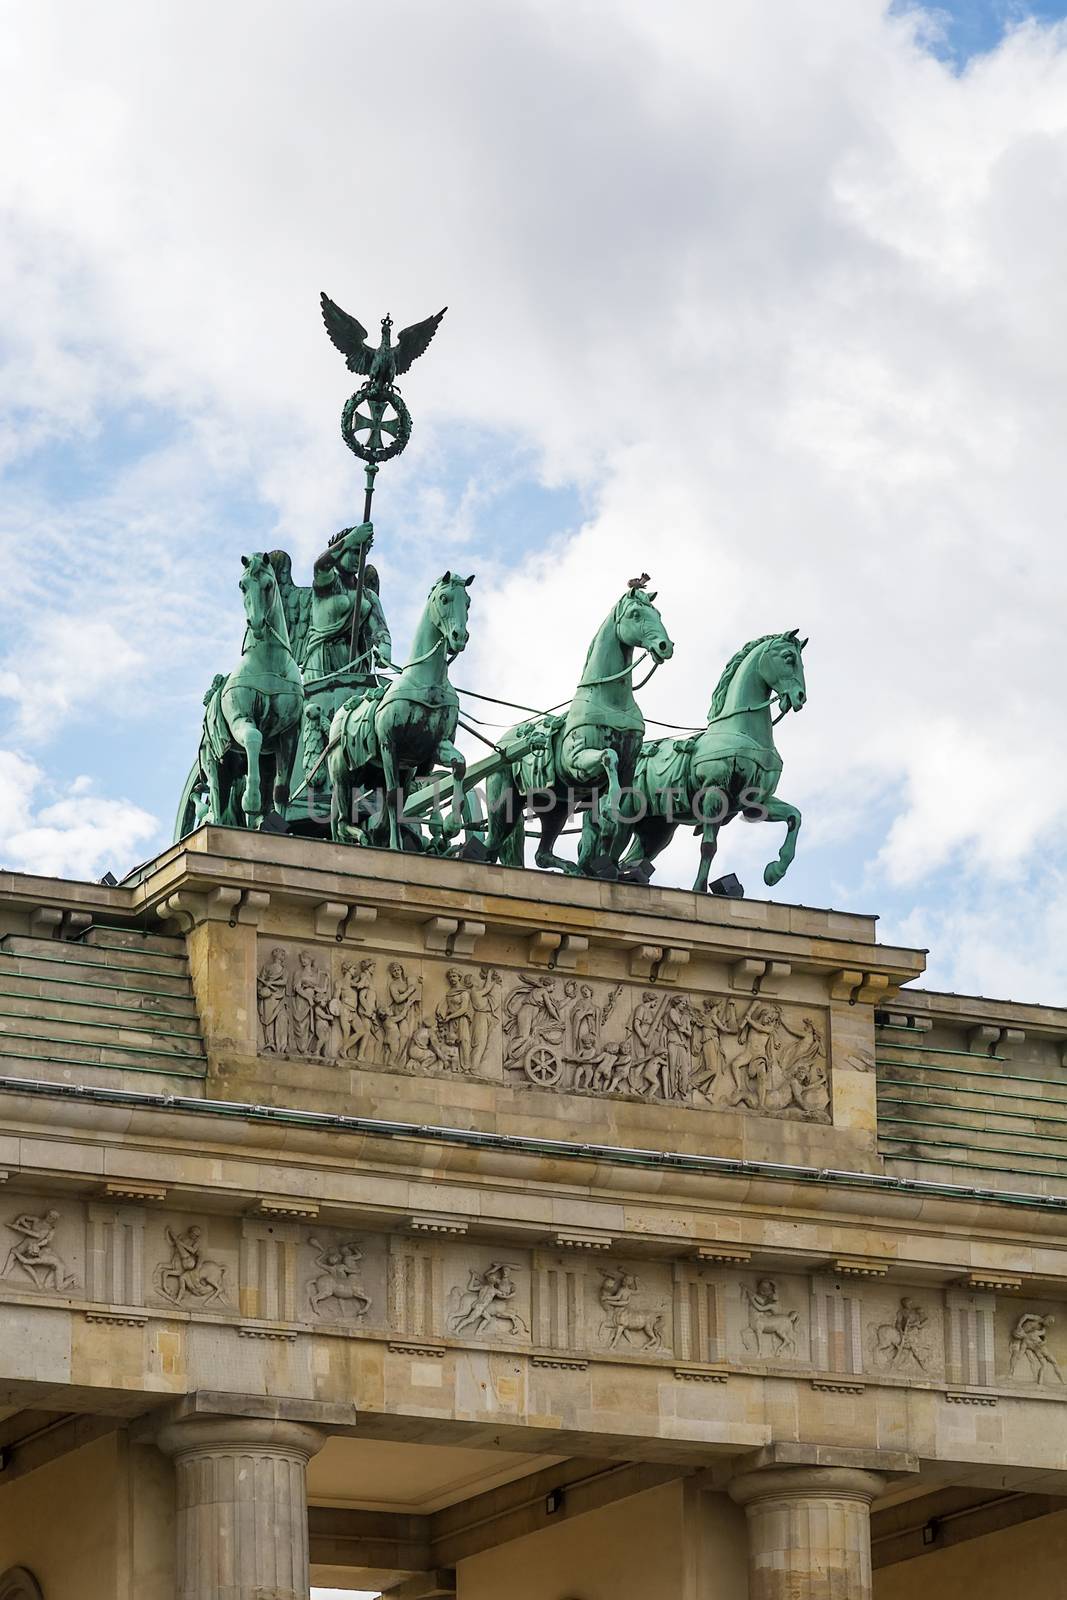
(504, 841)
(781, 811)
(284, 756)
(709, 843)
(391, 792)
(456, 762)
(552, 823)
(250, 739)
(651, 836)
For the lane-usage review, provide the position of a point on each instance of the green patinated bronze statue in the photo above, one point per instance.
(380, 742)
(252, 717)
(731, 768)
(314, 713)
(588, 752)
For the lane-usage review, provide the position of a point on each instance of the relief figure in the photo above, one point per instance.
(311, 1008)
(772, 1330)
(272, 1001)
(34, 1252)
(340, 1278)
(900, 1341)
(484, 1303)
(189, 1271)
(622, 1320)
(1029, 1342)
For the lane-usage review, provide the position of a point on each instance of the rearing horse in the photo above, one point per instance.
(255, 712)
(733, 766)
(590, 752)
(384, 739)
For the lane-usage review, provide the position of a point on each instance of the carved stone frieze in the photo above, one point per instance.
(771, 1326)
(903, 1344)
(338, 1284)
(484, 1308)
(34, 1256)
(1030, 1360)
(190, 1276)
(370, 1011)
(665, 1046)
(629, 1317)
(545, 1029)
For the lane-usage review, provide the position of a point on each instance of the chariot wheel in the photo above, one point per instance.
(382, 417)
(543, 1067)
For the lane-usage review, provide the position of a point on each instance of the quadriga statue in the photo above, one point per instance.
(732, 767)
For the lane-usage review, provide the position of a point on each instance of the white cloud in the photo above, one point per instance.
(781, 291)
(79, 834)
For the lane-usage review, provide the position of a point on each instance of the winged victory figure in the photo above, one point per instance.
(382, 366)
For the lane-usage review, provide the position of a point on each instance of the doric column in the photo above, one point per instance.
(241, 1506)
(809, 1531)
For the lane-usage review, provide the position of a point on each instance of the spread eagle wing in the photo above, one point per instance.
(349, 335)
(413, 341)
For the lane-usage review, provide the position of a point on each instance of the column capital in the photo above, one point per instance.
(222, 1435)
(805, 1483)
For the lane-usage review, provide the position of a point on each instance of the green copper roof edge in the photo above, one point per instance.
(981, 1150)
(981, 1111)
(99, 1005)
(621, 1155)
(127, 1049)
(88, 983)
(960, 1072)
(100, 966)
(120, 1027)
(1054, 1201)
(957, 1089)
(963, 1127)
(936, 1049)
(93, 1066)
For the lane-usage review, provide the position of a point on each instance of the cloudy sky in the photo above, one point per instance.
(767, 299)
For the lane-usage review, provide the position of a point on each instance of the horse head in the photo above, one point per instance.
(639, 624)
(447, 609)
(781, 667)
(259, 586)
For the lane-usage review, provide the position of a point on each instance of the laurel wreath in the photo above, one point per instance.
(369, 452)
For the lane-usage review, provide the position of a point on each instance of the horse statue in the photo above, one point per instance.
(732, 767)
(254, 714)
(382, 739)
(589, 752)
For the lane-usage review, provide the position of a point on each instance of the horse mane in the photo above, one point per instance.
(722, 688)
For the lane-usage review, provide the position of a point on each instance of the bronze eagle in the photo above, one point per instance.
(382, 366)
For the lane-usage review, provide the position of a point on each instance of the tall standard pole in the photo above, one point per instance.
(357, 612)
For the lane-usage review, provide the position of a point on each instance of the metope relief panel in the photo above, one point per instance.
(1031, 1344)
(903, 1333)
(43, 1247)
(767, 1320)
(487, 1296)
(629, 1308)
(344, 1278)
(664, 1045)
(192, 1263)
(355, 1010)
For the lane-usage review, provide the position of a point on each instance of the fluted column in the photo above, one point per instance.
(809, 1531)
(241, 1507)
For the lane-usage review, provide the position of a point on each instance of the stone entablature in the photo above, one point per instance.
(153, 1272)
